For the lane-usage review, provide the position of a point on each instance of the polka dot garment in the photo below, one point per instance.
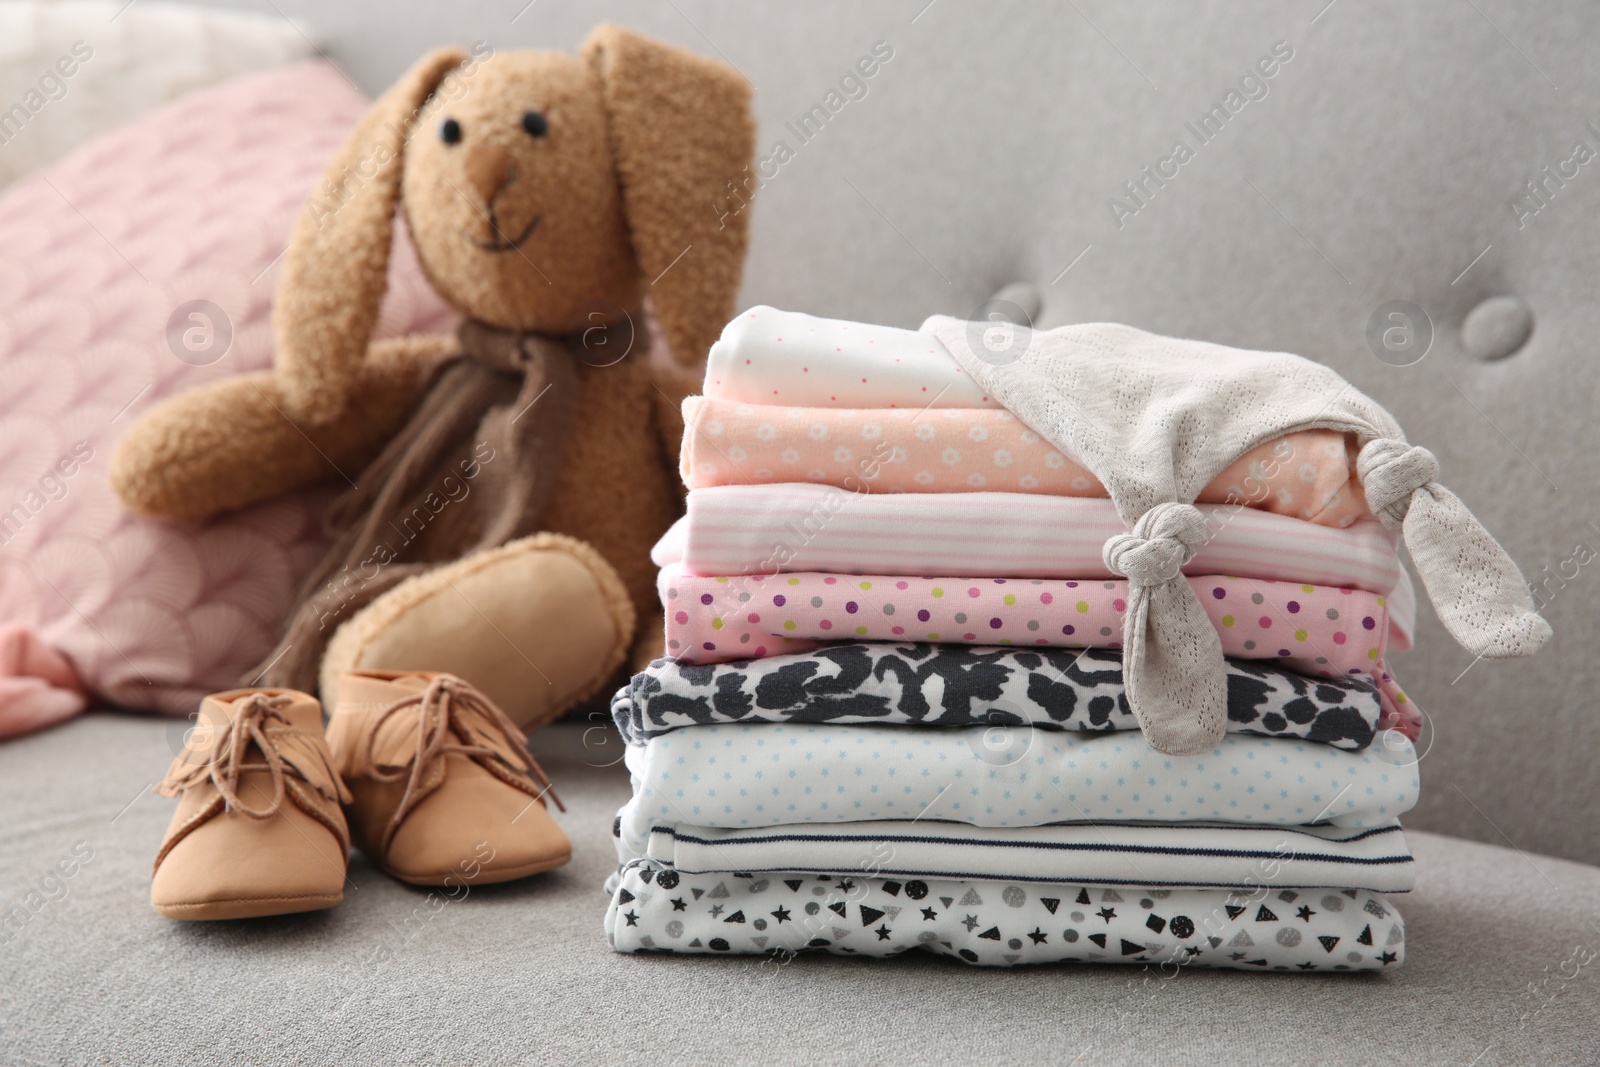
(1315, 630)
(772, 774)
(768, 356)
(1308, 475)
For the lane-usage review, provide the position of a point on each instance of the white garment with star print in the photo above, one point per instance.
(772, 774)
(1000, 924)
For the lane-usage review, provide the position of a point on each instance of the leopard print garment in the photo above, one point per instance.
(955, 685)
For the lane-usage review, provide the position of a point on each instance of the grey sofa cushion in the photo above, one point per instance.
(521, 973)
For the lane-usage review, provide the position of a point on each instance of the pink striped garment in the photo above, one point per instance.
(775, 529)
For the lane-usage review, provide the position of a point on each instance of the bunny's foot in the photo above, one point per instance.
(538, 624)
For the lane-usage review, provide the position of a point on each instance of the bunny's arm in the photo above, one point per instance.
(230, 444)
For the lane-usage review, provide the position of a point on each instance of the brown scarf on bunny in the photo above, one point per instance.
(476, 428)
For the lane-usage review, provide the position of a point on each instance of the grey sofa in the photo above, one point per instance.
(1384, 168)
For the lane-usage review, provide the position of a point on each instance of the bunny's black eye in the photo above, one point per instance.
(450, 131)
(535, 124)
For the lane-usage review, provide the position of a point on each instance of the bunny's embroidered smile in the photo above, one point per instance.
(502, 243)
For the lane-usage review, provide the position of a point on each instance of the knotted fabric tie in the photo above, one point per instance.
(1171, 655)
(1163, 540)
(1391, 471)
(1156, 418)
(1475, 587)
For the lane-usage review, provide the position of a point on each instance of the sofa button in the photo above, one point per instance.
(1017, 303)
(1497, 327)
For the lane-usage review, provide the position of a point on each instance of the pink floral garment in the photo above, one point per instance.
(1308, 475)
(1320, 631)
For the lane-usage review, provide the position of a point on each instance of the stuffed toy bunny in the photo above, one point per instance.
(503, 486)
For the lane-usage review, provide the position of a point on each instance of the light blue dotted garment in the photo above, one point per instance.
(770, 774)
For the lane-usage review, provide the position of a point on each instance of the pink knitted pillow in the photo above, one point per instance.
(104, 253)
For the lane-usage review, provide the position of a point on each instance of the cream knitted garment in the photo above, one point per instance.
(1156, 419)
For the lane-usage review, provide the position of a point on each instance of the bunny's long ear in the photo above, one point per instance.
(683, 140)
(337, 265)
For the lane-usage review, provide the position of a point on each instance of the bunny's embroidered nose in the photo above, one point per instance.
(488, 167)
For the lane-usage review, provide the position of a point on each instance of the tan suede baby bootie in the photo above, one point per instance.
(258, 830)
(444, 789)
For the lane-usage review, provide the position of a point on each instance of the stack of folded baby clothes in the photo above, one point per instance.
(954, 664)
